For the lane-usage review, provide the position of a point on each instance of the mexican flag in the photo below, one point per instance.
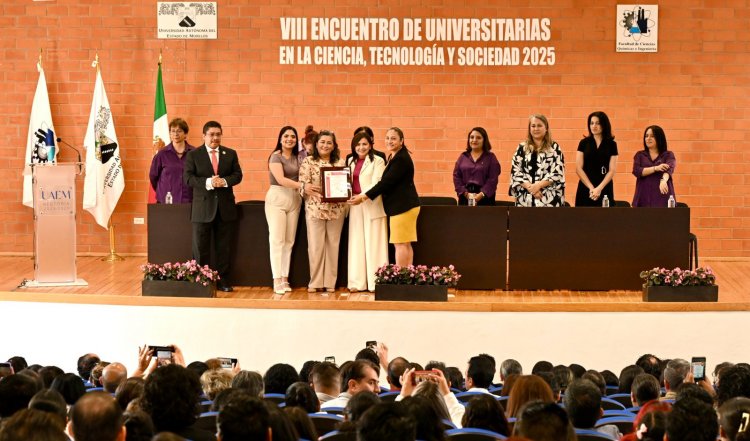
(161, 124)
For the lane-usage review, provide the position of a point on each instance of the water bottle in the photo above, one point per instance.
(168, 198)
(671, 203)
(472, 200)
(605, 201)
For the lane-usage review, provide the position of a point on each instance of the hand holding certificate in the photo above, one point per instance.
(336, 184)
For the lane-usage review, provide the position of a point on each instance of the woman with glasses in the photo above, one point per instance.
(167, 166)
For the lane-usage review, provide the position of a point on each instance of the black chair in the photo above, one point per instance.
(275, 398)
(692, 243)
(389, 396)
(325, 423)
(437, 200)
(339, 436)
(610, 404)
(207, 421)
(464, 397)
(472, 434)
(333, 410)
(206, 405)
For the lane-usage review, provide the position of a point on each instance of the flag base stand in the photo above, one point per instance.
(35, 284)
(112, 257)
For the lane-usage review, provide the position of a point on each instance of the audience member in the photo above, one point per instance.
(717, 371)
(544, 421)
(692, 390)
(359, 376)
(479, 373)
(734, 419)
(199, 367)
(34, 376)
(527, 388)
(305, 374)
(244, 418)
(583, 401)
(396, 369)
(455, 378)
(96, 416)
(596, 378)
(355, 408)
(644, 389)
(692, 420)
(6, 370)
(650, 365)
(627, 375)
(674, 375)
(18, 363)
(112, 376)
(509, 367)
(387, 421)
(301, 422)
(48, 374)
(542, 366)
(563, 375)
(735, 382)
(96, 373)
(171, 397)
(250, 381)
(610, 378)
(138, 426)
(85, 364)
(577, 370)
(70, 386)
(279, 377)
(15, 393)
(129, 390)
(650, 425)
(510, 380)
(167, 436)
(429, 423)
(485, 412)
(300, 394)
(31, 424)
(370, 355)
(48, 400)
(326, 380)
(214, 381)
(282, 428)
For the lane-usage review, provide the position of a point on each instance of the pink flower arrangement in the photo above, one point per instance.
(417, 275)
(702, 276)
(188, 271)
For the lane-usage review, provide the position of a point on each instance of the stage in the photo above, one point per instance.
(601, 330)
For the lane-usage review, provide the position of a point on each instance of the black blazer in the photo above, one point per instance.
(206, 203)
(397, 185)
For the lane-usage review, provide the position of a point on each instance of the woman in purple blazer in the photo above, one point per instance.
(653, 168)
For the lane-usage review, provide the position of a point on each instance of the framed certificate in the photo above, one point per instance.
(336, 183)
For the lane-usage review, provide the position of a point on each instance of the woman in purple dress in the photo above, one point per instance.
(476, 171)
(653, 168)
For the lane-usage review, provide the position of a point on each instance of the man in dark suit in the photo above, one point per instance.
(212, 170)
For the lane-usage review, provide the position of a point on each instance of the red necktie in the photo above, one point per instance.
(214, 161)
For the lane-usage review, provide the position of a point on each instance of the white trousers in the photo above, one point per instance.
(323, 238)
(282, 214)
(368, 247)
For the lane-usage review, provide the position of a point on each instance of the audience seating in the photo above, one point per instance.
(276, 398)
(207, 421)
(339, 436)
(472, 434)
(465, 397)
(333, 410)
(388, 396)
(612, 389)
(623, 423)
(325, 423)
(448, 424)
(206, 405)
(623, 399)
(618, 412)
(610, 404)
(592, 435)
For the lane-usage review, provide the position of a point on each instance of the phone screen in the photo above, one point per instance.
(163, 357)
(699, 368)
(227, 363)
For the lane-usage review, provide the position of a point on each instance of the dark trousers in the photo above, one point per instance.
(221, 231)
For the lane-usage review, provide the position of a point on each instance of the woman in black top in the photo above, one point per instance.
(596, 163)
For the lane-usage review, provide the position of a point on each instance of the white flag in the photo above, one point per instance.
(105, 180)
(40, 142)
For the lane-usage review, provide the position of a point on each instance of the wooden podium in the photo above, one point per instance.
(55, 225)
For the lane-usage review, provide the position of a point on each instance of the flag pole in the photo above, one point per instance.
(112, 256)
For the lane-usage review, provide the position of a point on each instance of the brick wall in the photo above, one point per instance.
(695, 87)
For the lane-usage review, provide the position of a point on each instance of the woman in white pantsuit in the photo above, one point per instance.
(368, 233)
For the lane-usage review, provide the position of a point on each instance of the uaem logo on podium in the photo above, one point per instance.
(183, 20)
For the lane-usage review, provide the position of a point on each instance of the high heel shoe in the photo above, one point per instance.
(278, 288)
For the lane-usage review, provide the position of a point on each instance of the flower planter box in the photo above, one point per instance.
(173, 288)
(681, 293)
(411, 293)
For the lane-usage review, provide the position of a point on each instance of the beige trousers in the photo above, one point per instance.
(282, 214)
(323, 238)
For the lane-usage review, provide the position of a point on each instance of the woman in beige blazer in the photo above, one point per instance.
(368, 234)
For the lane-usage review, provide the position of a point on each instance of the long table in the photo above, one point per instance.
(530, 248)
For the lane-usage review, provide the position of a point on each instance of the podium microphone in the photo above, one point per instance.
(80, 167)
